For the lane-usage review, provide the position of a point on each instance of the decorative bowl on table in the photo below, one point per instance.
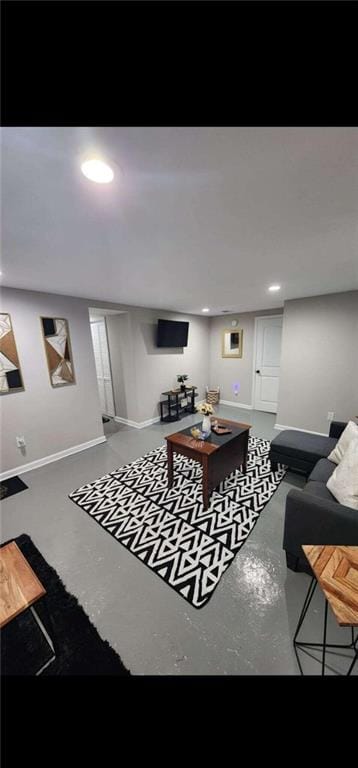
(197, 434)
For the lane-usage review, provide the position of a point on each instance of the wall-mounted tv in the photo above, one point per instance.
(172, 333)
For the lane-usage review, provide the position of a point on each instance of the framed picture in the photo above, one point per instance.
(232, 343)
(58, 351)
(10, 372)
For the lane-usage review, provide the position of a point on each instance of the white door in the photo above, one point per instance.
(103, 368)
(267, 363)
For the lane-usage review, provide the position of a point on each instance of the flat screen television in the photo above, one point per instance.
(172, 333)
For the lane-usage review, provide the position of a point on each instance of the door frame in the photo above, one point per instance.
(258, 317)
(100, 319)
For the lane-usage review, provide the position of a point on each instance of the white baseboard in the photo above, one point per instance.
(137, 424)
(146, 423)
(236, 405)
(53, 457)
(281, 427)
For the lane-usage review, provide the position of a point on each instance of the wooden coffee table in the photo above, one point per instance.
(19, 590)
(335, 569)
(219, 455)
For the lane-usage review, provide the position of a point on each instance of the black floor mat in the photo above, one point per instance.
(10, 486)
(79, 648)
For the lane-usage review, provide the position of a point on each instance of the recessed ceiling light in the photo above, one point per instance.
(274, 287)
(205, 309)
(98, 171)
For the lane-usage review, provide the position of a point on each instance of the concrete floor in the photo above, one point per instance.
(248, 625)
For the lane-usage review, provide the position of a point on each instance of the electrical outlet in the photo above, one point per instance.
(330, 415)
(20, 441)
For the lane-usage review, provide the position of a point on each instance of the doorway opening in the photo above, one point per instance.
(266, 361)
(103, 366)
(102, 358)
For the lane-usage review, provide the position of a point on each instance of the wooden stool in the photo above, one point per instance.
(19, 589)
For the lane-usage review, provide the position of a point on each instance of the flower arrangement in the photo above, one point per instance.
(205, 408)
(181, 378)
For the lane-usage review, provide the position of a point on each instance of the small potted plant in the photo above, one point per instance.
(207, 410)
(182, 378)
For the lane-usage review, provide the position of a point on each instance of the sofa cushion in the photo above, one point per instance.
(322, 471)
(348, 434)
(318, 489)
(343, 483)
(291, 442)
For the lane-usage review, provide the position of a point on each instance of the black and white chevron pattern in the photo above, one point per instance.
(189, 547)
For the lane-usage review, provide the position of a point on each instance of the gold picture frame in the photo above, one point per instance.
(231, 343)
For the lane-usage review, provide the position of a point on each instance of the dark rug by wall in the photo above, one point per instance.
(79, 648)
(11, 486)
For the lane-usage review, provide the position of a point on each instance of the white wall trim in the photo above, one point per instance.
(236, 405)
(147, 422)
(280, 427)
(20, 470)
(137, 424)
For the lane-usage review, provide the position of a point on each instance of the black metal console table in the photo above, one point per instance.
(174, 405)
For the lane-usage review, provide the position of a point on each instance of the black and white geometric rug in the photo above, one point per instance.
(187, 546)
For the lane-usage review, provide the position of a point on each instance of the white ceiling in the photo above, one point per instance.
(195, 216)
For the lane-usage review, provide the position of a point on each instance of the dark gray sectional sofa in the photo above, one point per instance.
(312, 515)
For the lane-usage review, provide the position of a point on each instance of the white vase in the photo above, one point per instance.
(206, 425)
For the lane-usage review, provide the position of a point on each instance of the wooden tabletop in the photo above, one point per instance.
(336, 570)
(19, 585)
(205, 446)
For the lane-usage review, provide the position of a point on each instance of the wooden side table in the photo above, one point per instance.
(19, 589)
(335, 569)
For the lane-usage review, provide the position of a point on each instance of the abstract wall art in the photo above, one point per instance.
(58, 350)
(10, 373)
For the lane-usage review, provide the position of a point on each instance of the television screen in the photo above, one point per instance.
(172, 333)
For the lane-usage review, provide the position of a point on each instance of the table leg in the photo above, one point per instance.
(324, 637)
(170, 464)
(47, 638)
(244, 463)
(206, 489)
(324, 645)
(306, 605)
(353, 662)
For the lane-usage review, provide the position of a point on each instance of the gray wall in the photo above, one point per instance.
(319, 367)
(141, 370)
(226, 372)
(50, 419)
(319, 363)
(55, 419)
(156, 368)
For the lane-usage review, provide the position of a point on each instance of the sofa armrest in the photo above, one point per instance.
(336, 428)
(312, 520)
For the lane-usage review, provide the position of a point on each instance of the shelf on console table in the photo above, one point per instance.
(173, 403)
